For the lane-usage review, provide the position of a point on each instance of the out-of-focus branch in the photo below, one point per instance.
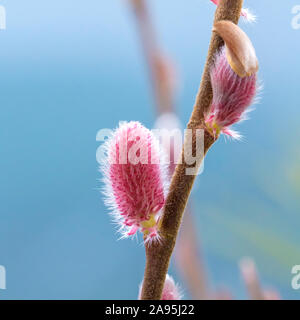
(160, 67)
(251, 278)
(188, 258)
(158, 255)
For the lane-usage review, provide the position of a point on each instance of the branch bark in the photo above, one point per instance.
(158, 254)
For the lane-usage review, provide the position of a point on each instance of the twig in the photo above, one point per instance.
(158, 254)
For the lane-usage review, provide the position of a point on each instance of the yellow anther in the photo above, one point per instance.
(149, 223)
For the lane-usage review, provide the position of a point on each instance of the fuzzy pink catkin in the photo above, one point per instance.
(232, 95)
(171, 290)
(134, 179)
(246, 13)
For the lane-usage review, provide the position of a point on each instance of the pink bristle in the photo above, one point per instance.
(171, 290)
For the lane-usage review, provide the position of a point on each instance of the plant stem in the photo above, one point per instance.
(158, 254)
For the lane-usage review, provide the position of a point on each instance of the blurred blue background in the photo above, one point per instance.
(70, 68)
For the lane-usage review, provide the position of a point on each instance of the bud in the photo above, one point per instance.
(239, 49)
(246, 13)
(171, 290)
(232, 95)
(134, 179)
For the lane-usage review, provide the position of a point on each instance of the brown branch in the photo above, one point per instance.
(226, 10)
(158, 255)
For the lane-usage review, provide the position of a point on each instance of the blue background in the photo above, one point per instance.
(70, 68)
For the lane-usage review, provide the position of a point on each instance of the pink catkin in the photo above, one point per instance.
(134, 179)
(232, 95)
(171, 290)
